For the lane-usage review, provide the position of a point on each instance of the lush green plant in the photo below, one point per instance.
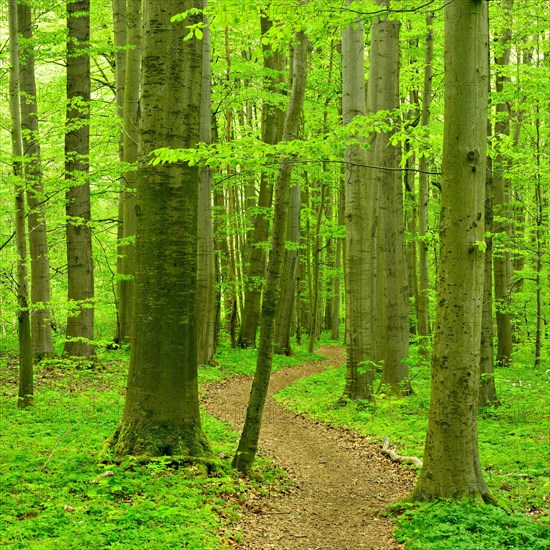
(466, 525)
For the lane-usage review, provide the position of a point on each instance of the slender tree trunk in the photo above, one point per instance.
(248, 443)
(161, 413)
(42, 343)
(360, 227)
(540, 219)
(80, 322)
(502, 265)
(127, 33)
(423, 308)
(207, 269)
(285, 306)
(411, 213)
(25, 394)
(487, 389)
(316, 276)
(272, 122)
(335, 322)
(127, 247)
(119, 41)
(330, 260)
(451, 459)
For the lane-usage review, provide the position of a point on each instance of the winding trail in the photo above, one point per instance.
(340, 479)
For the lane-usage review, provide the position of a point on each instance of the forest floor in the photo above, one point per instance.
(340, 479)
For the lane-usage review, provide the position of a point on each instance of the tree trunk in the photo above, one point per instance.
(272, 120)
(316, 275)
(451, 459)
(487, 389)
(423, 308)
(42, 343)
(285, 306)
(248, 443)
(80, 267)
(393, 290)
(335, 322)
(127, 248)
(126, 18)
(541, 220)
(119, 42)
(360, 227)
(206, 296)
(25, 394)
(161, 413)
(502, 265)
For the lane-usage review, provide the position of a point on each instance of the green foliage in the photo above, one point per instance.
(466, 525)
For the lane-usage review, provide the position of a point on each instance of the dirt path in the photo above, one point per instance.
(340, 479)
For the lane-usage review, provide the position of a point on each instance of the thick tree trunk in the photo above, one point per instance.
(451, 460)
(393, 294)
(41, 331)
(80, 267)
(360, 228)
(206, 297)
(161, 413)
(272, 122)
(25, 394)
(248, 443)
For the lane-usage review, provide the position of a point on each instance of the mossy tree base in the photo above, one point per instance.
(478, 497)
(158, 438)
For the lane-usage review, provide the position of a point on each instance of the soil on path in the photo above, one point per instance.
(340, 479)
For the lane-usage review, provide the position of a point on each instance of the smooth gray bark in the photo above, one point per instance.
(451, 458)
(80, 265)
(41, 331)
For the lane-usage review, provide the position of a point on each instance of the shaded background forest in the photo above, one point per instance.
(518, 150)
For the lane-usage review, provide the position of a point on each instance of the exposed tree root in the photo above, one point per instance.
(386, 451)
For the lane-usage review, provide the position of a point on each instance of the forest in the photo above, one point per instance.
(275, 274)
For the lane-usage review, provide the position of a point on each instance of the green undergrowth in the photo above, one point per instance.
(448, 524)
(55, 494)
(514, 439)
(232, 363)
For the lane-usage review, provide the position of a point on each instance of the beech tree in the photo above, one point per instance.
(360, 225)
(423, 310)
(25, 393)
(42, 342)
(80, 321)
(206, 297)
(451, 460)
(248, 443)
(272, 128)
(161, 412)
(392, 299)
